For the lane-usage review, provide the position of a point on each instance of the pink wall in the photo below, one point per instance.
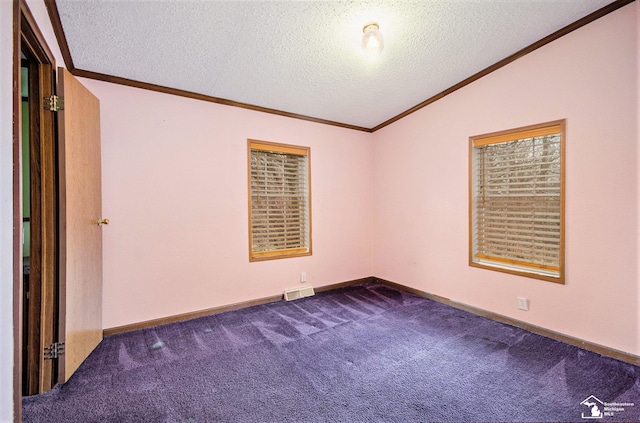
(175, 191)
(174, 176)
(421, 185)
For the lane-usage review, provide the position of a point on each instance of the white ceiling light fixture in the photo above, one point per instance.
(372, 41)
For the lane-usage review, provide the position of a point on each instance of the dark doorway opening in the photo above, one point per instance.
(36, 210)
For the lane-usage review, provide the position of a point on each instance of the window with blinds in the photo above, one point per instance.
(279, 201)
(516, 201)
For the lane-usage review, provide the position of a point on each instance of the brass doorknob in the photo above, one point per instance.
(103, 221)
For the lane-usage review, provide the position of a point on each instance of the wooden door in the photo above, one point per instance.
(80, 234)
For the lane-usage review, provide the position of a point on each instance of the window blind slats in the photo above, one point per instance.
(521, 250)
(526, 219)
(516, 190)
(522, 183)
(496, 163)
(538, 230)
(516, 239)
(519, 204)
(260, 221)
(279, 198)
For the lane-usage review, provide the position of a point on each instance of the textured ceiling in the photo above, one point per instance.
(304, 57)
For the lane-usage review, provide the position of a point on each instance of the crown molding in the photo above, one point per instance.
(54, 16)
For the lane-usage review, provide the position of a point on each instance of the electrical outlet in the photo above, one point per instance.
(303, 277)
(523, 304)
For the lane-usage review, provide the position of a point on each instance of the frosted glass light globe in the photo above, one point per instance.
(372, 41)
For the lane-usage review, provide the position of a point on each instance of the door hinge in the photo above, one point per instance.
(54, 103)
(54, 350)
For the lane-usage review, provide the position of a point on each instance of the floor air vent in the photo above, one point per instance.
(294, 294)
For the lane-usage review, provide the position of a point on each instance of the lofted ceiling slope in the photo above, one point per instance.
(303, 57)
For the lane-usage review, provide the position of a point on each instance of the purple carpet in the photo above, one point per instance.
(366, 353)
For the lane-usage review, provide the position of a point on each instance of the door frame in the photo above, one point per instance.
(28, 36)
